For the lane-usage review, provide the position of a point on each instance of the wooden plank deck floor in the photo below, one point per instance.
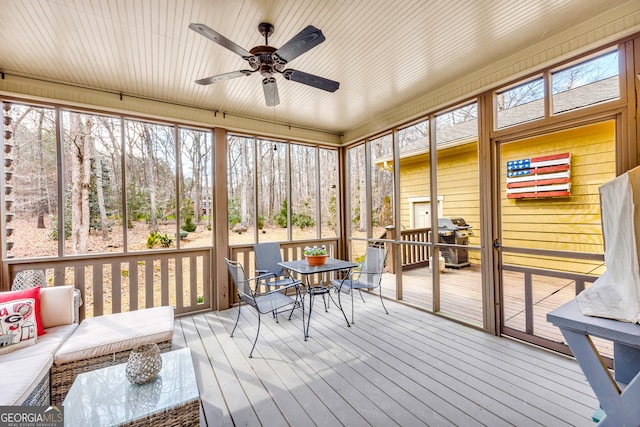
(461, 298)
(407, 368)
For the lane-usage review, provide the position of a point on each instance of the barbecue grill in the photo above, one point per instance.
(454, 231)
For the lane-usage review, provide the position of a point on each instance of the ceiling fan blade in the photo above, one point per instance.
(225, 76)
(220, 39)
(311, 80)
(271, 91)
(306, 39)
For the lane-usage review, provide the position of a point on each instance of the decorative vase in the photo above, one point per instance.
(144, 364)
(315, 260)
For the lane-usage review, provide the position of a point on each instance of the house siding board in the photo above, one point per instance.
(566, 224)
(458, 184)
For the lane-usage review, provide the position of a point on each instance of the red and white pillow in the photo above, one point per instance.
(20, 322)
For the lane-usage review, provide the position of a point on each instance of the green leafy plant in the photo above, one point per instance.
(166, 240)
(315, 250)
(189, 225)
(281, 216)
(200, 299)
(154, 239)
(234, 212)
(303, 221)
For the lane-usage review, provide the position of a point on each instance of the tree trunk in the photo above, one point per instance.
(244, 183)
(198, 160)
(41, 197)
(154, 179)
(104, 226)
(81, 179)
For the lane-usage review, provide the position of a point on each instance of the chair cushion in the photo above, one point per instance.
(56, 306)
(34, 294)
(21, 376)
(113, 333)
(47, 344)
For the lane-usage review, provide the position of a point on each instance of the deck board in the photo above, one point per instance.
(406, 368)
(461, 298)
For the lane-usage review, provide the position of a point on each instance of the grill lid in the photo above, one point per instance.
(452, 224)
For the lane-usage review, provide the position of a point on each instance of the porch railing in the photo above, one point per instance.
(114, 283)
(412, 256)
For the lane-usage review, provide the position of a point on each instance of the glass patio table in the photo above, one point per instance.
(302, 268)
(104, 397)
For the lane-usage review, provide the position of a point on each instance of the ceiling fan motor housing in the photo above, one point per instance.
(265, 60)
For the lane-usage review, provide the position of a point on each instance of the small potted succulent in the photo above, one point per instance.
(315, 255)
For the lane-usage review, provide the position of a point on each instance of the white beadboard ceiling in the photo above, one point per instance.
(384, 53)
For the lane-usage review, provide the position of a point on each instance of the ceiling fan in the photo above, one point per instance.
(269, 60)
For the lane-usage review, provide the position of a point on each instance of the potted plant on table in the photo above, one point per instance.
(315, 255)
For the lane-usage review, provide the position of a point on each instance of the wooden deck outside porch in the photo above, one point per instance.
(407, 368)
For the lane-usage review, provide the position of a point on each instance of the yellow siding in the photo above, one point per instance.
(568, 224)
(457, 183)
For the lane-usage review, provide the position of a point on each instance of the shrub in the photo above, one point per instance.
(154, 239)
(166, 240)
(303, 221)
(189, 226)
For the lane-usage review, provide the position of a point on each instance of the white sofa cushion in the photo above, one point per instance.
(48, 344)
(21, 376)
(113, 333)
(56, 306)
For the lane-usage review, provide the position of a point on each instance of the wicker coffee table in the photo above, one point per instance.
(105, 397)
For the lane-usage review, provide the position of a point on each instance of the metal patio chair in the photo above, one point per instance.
(275, 301)
(367, 277)
(267, 257)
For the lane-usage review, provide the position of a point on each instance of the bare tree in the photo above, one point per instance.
(80, 146)
(41, 199)
(98, 171)
(152, 170)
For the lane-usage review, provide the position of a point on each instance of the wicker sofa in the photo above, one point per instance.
(107, 340)
(41, 374)
(25, 372)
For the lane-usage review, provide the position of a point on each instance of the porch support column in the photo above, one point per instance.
(221, 294)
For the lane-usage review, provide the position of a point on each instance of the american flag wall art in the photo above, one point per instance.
(539, 177)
